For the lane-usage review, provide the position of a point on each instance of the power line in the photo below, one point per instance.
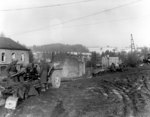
(79, 18)
(114, 20)
(47, 6)
(81, 25)
(105, 10)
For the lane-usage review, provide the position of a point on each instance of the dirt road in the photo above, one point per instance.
(109, 95)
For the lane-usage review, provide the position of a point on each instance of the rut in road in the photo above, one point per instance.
(131, 94)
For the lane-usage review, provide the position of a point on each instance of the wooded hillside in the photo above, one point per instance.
(61, 48)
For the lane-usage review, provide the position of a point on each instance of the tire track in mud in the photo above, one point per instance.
(120, 93)
(129, 97)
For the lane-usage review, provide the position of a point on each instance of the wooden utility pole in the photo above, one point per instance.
(132, 44)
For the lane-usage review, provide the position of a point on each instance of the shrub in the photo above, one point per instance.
(132, 59)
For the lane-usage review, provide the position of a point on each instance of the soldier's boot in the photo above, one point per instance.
(43, 88)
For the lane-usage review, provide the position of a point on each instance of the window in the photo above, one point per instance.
(13, 55)
(22, 57)
(3, 57)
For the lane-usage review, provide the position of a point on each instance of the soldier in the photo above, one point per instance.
(33, 72)
(113, 67)
(22, 72)
(12, 67)
(11, 71)
(44, 74)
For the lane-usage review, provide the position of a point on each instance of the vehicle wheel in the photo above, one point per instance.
(55, 79)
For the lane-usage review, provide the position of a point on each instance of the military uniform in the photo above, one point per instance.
(12, 68)
(44, 74)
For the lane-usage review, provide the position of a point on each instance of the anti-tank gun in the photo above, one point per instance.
(18, 86)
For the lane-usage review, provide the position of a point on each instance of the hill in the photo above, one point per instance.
(60, 48)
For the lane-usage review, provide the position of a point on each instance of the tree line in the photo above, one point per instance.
(129, 58)
(60, 48)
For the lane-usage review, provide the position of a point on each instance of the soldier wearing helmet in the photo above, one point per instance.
(12, 67)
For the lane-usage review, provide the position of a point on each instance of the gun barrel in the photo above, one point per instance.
(19, 73)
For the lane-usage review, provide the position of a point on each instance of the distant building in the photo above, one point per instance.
(108, 48)
(9, 50)
(87, 56)
(107, 61)
(139, 49)
(100, 50)
(95, 49)
(125, 49)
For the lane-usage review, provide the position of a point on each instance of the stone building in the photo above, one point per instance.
(9, 50)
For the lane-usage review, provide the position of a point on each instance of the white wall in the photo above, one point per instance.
(107, 61)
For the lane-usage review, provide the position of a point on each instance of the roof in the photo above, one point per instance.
(7, 43)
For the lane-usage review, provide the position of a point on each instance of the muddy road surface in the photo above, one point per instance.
(123, 94)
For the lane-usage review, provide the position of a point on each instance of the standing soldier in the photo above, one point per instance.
(11, 71)
(12, 68)
(44, 74)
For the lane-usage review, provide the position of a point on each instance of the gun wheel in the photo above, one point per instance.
(56, 80)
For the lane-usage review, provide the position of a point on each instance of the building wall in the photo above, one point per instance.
(107, 61)
(73, 68)
(95, 49)
(18, 54)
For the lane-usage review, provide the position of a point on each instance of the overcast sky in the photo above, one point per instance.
(87, 22)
